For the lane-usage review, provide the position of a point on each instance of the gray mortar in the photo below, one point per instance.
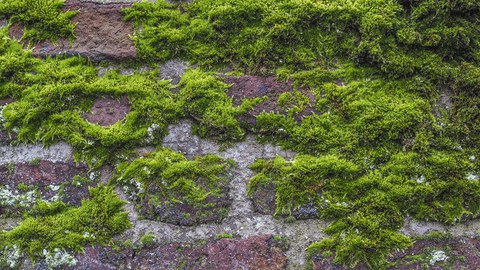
(122, 70)
(173, 70)
(24, 153)
(9, 223)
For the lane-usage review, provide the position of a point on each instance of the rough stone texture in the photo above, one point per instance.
(186, 214)
(5, 101)
(263, 199)
(60, 152)
(444, 103)
(173, 70)
(122, 70)
(6, 138)
(46, 177)
(3, 23)
(256, 252)
(107, 111)
(255, 86)
(100, 33)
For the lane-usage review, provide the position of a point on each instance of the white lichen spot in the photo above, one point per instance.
(2, 120)
(437, 256)
(472, 158)
(94, 175)
(10, 256)
(420, 179)
(14, 198)
(55, 198)
(150, 132)
(88, 235)
(59, 258)
(54, 187)
(472, 177)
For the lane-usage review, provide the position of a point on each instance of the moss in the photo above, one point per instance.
(224, 235)
(57, 226)
(203, 97)
(41, 19)
(377, 149)
(35, 162)
(398, 37)
(52, 95)
(166, 180)
(147, 240)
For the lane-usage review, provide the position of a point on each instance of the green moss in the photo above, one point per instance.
(224, 235)
(166, 179)
(147, 240)
(41, 19)
(203, 97)
(398, 37)
(52, 95)
(46, 111)
(57, 226)
(15, 62)
(376, 150)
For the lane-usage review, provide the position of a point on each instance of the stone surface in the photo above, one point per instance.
(256, 86)
(107, 111)
(256, 253)
(6, 138)
(173, 70)
(184, 213)
(101, 33)
(60, 152)
(46, 177)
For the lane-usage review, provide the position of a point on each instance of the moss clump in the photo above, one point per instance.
(56, 226)
(378, 152)
(42, 19)
(51, 96)
(47, 111)
(15, 63)
(148, 240)
(399, 37)
(204, 98)
(168, 187)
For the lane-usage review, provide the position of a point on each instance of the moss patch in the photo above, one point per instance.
(41, 19)
(56, 226)
(168, 187)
